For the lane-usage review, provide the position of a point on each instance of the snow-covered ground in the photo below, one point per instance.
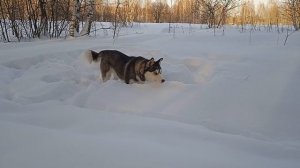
(229, 101)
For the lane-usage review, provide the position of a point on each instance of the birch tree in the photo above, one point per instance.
(74, 25)
(158, 10)
(89, 19)
(292, 12)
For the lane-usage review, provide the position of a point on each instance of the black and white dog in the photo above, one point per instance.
(130, 69)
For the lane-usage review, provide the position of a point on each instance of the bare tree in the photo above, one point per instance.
(89, 19)
(59, 16)
(210, 8)
(43, 17)
(170, 18)
(157, 10)
(247, 14)
(74, 25)
(116, 20)
(3, 23)
(292, 12)
(226, 7)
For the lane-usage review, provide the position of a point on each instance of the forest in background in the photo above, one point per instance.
(29, 19)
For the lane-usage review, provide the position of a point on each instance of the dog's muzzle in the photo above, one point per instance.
(154, 77)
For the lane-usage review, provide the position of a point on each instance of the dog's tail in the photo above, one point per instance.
(91, 56)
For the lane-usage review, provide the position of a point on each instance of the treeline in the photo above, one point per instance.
(274, 13)
(27, 19)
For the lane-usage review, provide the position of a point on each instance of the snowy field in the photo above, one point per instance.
(229, 101)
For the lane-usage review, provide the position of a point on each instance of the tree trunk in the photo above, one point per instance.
(90, 14)
(3, 24)
(74, 25)
(44, 18)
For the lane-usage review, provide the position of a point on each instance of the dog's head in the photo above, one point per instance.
(153, 71)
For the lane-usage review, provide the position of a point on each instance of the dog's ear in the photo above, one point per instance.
(150, 63)
(157, 64)
(158, 61)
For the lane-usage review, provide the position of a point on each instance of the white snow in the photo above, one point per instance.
(229, 101)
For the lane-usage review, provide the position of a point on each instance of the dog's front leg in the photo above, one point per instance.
(126, 78)
(142, 77)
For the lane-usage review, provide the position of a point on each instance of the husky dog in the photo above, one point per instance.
(130, 69)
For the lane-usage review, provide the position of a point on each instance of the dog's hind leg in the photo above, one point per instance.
(105, 71)
(106, 75)
(114, 74)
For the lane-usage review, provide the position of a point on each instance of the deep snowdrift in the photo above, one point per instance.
(229, 101)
